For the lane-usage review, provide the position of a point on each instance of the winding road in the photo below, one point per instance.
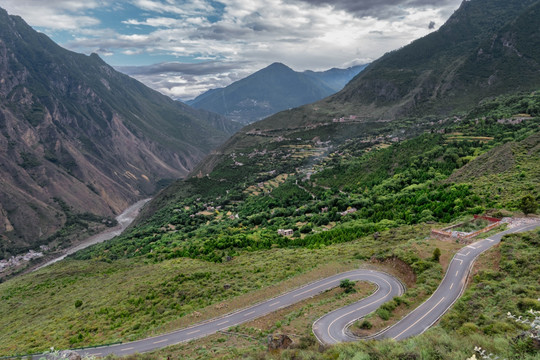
(388, 287)
(332, 327)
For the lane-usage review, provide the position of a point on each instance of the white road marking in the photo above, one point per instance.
(417, 321)
(457, 272)
(160, 341)
(460, 261)
(273, 304)
(451, 286)
(249, 313)
(223, 322)
(490, 240)
(316, 287)
(360, 308)
(193, 332)
(126, 349)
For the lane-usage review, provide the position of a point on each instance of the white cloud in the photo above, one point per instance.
(185, 8)
(54, 14)
(154, 22)
(303, 34)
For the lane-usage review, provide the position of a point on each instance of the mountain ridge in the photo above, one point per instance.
(436, 73)
(274, 88)
(71, 122)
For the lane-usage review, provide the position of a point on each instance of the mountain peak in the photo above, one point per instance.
(277, 67)
(276, 87)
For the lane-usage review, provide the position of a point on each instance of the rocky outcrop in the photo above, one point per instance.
(279, 341)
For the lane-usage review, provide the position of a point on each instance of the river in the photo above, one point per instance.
(124, 220)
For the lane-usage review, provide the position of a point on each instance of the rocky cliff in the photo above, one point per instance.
(77, 136)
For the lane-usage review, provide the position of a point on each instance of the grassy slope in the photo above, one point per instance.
(133, 298)
(505, 174)
(505, 279)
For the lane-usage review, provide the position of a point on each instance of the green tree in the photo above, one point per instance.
(436, 254)
(347, 285)
(528, 204)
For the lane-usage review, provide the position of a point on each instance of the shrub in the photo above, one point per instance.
(365, 324)
(436, 254)
(468, 328)
(347, 285)
(528, 204)
(78, 303)
(528, 304)
(383, 313)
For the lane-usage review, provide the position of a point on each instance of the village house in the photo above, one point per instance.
(348, 211)
(285, 232)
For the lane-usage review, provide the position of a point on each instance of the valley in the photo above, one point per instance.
(245, 256)
(394, 219)
(124, 220)
(80, 142)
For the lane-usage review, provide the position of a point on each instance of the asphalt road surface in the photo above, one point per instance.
(450, 289)
(332, 328)
(388, 287)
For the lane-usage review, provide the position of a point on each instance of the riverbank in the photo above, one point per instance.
(124, 220)
(35, 260)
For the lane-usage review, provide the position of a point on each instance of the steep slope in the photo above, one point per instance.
(74, 133)
(272, 89)
(486, 48)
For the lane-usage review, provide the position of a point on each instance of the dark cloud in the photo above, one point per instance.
(205, 68)
(431, 25)
(379, 9)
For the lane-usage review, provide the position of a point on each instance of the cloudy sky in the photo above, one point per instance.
(185, 47)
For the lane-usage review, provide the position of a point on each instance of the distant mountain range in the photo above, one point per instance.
(77, 136)
(273, 89)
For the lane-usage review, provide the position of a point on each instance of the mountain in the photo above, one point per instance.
(356, 190)
(336, 78)
(78, 137)
(272, 89)
(486, 48)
